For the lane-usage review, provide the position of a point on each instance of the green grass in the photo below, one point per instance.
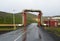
(30, 18)
(6, 28)
(54, 30)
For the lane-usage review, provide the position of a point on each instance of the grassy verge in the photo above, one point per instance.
(4, 28)
(9, 28)
(54, 30)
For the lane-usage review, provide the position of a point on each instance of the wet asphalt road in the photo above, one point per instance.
(33, 33)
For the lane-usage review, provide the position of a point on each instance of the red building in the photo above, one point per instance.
(51, 22)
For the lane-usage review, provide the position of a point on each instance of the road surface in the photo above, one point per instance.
(33, 33)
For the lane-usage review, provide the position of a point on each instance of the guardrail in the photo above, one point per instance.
(11, 24)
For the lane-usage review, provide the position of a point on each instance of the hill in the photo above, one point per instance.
(7, 18)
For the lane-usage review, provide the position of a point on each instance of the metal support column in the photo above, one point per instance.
(24, 19)
(39, 19)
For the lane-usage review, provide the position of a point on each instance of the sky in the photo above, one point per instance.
(48, 7)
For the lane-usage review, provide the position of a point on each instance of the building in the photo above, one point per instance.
(51, 21)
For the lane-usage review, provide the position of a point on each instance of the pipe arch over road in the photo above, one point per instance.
(25, 19)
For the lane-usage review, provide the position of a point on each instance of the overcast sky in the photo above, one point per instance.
(48, 7)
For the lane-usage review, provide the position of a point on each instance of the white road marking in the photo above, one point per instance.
(7, 34)
(21, 35)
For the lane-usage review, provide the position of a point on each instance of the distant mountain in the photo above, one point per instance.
(57, 16)
(7, 18)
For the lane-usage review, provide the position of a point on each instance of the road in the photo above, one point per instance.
(33, 33)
